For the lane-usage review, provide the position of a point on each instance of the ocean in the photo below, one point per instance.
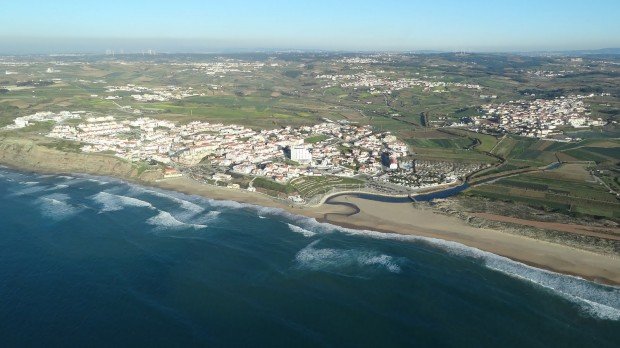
(92, 261)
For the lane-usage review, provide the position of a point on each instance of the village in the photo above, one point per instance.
(539, 118)
(330, 148)
(380, 85)
(145, 94)
(224, 66)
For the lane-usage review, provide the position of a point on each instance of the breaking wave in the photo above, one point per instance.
(336, 259)
(595, 300)
(97, 181)
(599, 301)
(165, 220)
(30, 189)
(56, 207)
(184, 204)
(213, 214)
(57, 187)
(112, 202)
(297, 229)
(200, 219)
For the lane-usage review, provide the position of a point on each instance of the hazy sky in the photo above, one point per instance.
(200, 26)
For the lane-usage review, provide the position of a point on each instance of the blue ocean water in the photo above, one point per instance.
(90, 261)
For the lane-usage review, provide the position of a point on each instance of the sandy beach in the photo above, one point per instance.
(405, 218)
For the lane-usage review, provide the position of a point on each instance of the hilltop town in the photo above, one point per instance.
(539, 118)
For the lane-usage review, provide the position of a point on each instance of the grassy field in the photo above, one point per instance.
(315, 139)
(485, 142)
(458, 155)
(506, 167)
(451, 145)
(456, 143)
(568, 189)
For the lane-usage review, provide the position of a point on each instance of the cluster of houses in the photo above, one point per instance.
(223, 67)
(548, 74)
(25, 121)
(343, 149)
(423, 173)
(359, 60)
(379, 85)
(146, 94)
(336, 148)
(281, 154)
(540, 118)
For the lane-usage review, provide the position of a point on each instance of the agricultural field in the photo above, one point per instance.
(446, 143)
(569, 189)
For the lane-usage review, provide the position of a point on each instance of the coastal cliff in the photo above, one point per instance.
(28, 154)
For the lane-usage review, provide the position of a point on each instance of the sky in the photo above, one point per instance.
(61, 26)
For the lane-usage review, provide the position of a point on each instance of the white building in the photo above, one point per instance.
(301, 154)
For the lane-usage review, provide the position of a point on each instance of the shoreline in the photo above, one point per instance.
(360, 214)
(398, 218)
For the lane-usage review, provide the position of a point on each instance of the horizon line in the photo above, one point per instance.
(154, 52)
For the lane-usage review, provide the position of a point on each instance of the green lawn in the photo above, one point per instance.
(315, 139)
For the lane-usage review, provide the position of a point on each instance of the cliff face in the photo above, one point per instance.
(26, 154)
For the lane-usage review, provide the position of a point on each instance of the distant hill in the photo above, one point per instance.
(601, 51)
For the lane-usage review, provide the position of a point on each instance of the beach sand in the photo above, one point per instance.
(408, 219)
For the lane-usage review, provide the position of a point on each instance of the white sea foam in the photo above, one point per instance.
(187, 205)
(30, 189)
(165, 220)
(213, 214)
(184, 204)
(111, 202)
(230, 204)
(599, 301)
(300, 230)
(66, 177)
(595, 300)
(200, 219)
(57, 187)
(56, 207)
(97, 181)
(333, 259)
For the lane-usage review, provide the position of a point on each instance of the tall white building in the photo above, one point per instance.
(301, 154)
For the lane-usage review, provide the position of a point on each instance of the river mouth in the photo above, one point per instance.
(426, 197)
